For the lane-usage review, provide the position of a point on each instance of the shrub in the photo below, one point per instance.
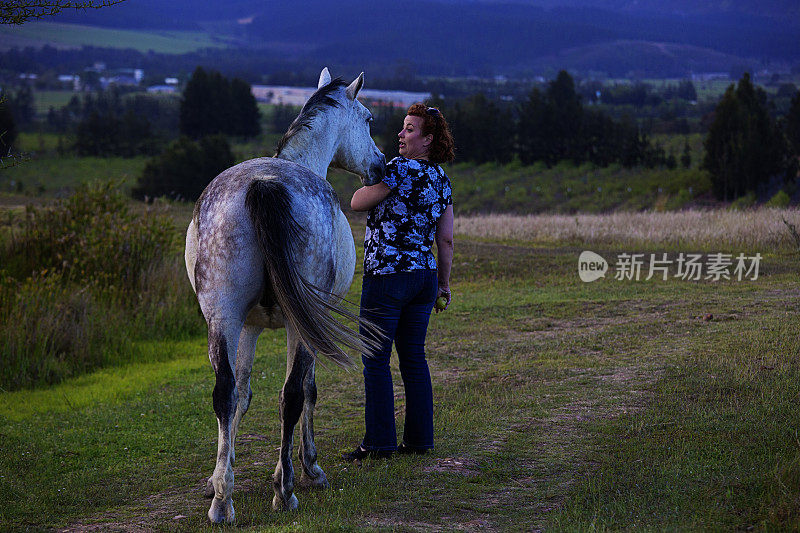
(80, 280)
(781, 199)
(185, 168)
(89, 237)
(743, 202)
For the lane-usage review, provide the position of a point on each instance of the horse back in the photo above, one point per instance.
(227, 249)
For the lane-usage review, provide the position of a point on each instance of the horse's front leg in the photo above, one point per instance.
(313, 476)
(244, 366)
(223, 338)
(290, 409)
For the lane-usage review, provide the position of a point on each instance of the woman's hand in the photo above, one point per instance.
(443, 292)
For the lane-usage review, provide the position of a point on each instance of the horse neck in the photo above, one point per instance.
(313, 148)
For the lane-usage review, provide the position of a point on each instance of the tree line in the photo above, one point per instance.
(550, 126)
(749, 151)
(748, 148)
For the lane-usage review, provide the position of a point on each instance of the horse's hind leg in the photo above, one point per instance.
(223, 338)
(290, 409)
(312, 476)
(244, 365)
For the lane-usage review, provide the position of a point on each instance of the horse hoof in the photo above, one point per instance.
(279, 505)
(208, 490)
(221, 511)
(319, 482)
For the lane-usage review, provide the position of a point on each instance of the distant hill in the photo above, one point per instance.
(778, 9)
(445, 37)
(622, 58)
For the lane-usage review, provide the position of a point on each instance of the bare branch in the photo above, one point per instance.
(21, 11)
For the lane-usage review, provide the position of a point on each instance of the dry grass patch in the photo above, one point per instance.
(759, 228)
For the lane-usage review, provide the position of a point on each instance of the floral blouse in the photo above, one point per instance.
(401, 229)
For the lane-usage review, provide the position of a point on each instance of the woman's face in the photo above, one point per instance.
(413, 144)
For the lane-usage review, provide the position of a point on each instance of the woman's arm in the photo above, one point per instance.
(444, 247)
(369, 196)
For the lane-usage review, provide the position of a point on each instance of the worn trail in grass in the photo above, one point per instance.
(559, 405)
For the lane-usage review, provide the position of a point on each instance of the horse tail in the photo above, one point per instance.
(305, 306)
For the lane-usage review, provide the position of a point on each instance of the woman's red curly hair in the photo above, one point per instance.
(442, 148)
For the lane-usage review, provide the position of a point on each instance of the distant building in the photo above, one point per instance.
(122, 77)
(708, 76)
(297, 96)
(162, 89)
(71, 79)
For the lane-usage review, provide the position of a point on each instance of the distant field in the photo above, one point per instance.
(44, 100)
(755, 229)
(76, 35)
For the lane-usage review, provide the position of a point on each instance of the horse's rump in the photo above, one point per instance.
(306, 304)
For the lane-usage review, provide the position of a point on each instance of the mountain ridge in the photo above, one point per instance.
(482, 37)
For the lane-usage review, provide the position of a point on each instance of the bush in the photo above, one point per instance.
(781, 199)
(743, 202)
(81, 280)
(184, 169)
(90, 237)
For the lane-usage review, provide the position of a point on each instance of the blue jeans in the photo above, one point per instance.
(400, 304)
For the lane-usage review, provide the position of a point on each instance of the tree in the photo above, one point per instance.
(482, 131)
(566, 115)
(686, 155)
(184, 169)
(532, 128)
(212, 104)
(792, 125)
(8, 128)
(107, 134)
(245, 112)
(744, 148)
(687, 91)
(22, 105)
(21, 11)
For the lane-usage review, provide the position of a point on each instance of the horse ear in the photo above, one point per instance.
(324, 78)
(353, 88)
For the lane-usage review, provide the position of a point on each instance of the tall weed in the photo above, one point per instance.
(80, 280)
(89, 237)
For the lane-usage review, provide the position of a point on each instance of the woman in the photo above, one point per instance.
(408, 210)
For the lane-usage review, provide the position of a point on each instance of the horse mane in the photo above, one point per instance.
(319, 100)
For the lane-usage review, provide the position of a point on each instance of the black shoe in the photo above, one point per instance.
(360, 454)
(404, 449)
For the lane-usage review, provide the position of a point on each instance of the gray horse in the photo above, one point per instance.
(269, 247)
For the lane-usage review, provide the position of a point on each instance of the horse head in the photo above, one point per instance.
(356, 152)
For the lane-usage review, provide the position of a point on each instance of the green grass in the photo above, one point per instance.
(564, 188)
(559, 405)
(44, 100)
(76, 35)
(51, 174)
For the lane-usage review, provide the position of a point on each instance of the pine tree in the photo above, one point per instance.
(8, 128)
(193, 118)
(246, 113)
(532, 128)
(686, 156)
(744, 148)
(212, 104)
(564, 119)
(792, 125)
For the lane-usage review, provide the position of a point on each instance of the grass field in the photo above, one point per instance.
(560, 405)
(75, 35)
